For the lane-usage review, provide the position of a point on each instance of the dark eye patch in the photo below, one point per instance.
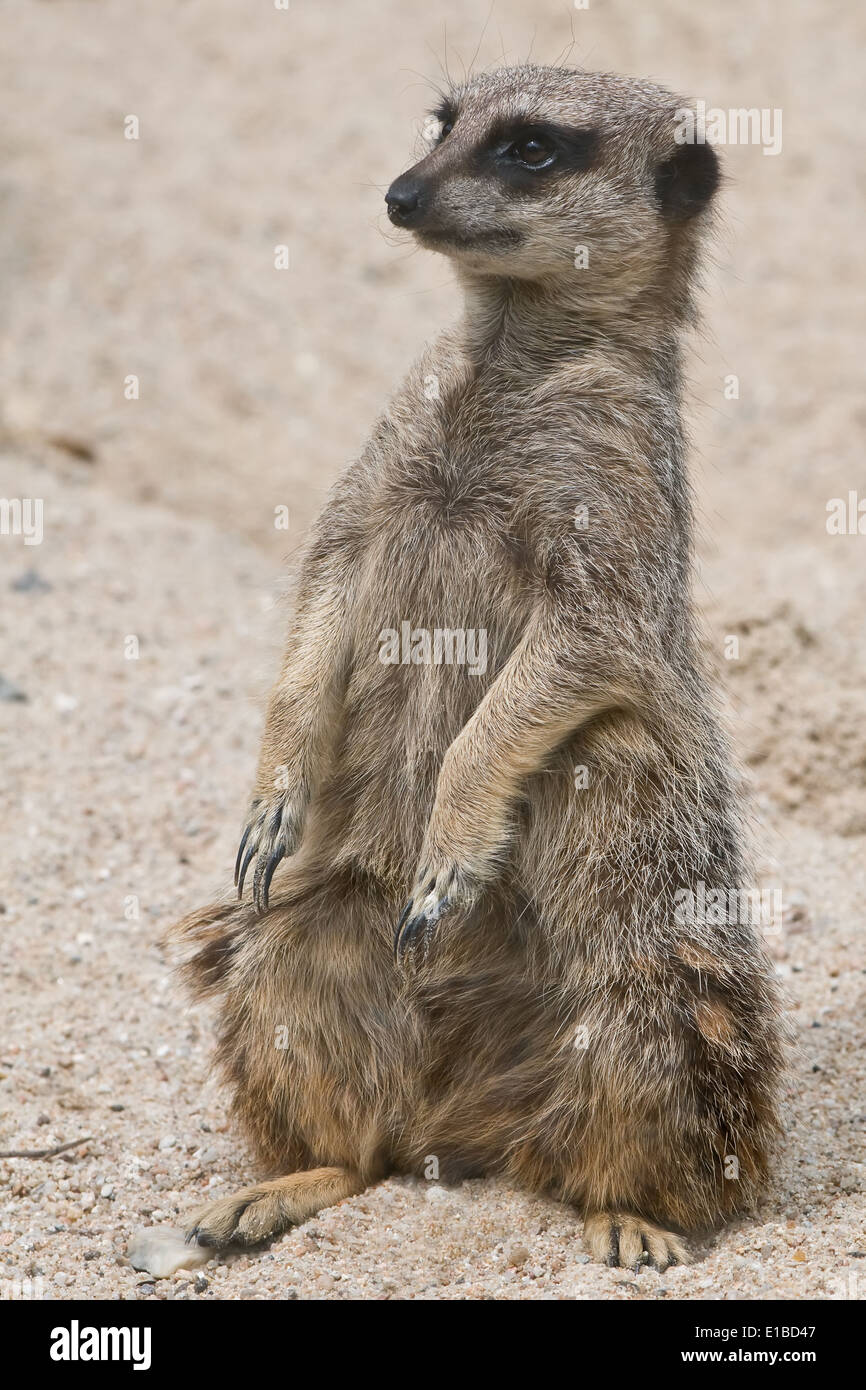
(572, 148)
(446, 115)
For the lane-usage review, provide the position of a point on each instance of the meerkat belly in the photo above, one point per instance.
(428, 638)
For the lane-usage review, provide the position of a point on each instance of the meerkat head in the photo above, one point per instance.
(539, 173)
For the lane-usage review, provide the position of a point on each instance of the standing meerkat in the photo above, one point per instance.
(547, 1011)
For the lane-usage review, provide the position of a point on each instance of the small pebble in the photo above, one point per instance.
(161, 1250)
(11, 692)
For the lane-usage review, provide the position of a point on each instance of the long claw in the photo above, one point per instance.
(244, 838)
(250, 856)
(423, 924)
(262, 889)
(407, 909)
(408, 935)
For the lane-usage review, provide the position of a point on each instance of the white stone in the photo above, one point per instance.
(162, 1250)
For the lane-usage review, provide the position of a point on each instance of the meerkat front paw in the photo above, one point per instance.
(257, 1213)
(436, 892)
(246, 1218)
(618, 1238)
(272, 833)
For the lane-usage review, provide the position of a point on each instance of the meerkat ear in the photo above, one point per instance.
(686, 182)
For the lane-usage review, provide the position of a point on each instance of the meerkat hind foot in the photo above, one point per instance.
(258, 1213)
(618, 1238)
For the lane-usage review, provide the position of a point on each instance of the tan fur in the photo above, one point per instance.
(254, 1213)
(549, 1018)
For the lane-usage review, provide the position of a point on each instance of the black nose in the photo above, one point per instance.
(404, 201)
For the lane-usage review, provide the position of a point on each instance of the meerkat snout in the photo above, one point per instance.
(403, 200)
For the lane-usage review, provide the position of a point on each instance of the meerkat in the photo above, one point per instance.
(528, 826)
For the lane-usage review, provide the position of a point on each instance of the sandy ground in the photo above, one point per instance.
(125, 779)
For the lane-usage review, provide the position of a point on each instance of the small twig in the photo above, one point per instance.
(44, 1153)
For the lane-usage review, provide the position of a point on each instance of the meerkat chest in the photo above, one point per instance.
(444, 581)
(521, 464)
(457, 454)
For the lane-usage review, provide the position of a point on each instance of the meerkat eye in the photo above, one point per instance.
(439, 126)
(534, 150)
